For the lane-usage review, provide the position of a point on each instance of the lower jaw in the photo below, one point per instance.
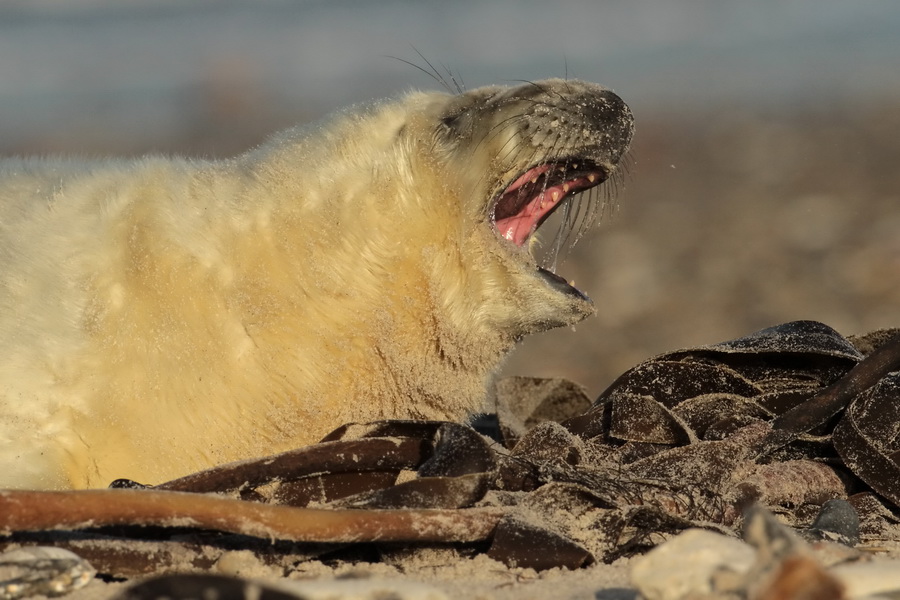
(561, 285)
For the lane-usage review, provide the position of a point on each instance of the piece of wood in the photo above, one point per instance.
(42, 511)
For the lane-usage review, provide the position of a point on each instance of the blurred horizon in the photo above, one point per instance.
(764, 185)
(148, 67)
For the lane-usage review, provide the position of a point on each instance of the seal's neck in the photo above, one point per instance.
(365, 290)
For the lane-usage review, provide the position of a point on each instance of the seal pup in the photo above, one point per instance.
(162, 315)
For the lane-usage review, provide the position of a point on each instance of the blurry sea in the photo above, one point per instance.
(99, 69)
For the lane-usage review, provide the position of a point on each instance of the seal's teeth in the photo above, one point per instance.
(565, 188)
(534, 180)
(592, 178)
(555, 195)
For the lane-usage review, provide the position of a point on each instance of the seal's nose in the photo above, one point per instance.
(605, 107)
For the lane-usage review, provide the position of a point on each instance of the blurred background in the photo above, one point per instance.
(763, 184)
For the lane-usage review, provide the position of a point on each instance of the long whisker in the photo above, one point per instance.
(459, 88)
(435, 76)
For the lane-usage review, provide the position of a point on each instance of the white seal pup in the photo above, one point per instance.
(159, 316)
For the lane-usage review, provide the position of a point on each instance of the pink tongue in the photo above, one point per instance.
(518, 227)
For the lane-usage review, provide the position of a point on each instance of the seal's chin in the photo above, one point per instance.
(531, 198)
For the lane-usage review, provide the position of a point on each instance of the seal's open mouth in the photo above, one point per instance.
(532, 197)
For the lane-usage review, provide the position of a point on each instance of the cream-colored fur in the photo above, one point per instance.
(160, 316)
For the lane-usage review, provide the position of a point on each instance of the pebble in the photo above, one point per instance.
(837, 521)
(687, 564)
(878, 578)
(42, 570)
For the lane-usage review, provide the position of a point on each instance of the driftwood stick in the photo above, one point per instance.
(833, 399)
(817, 410)
(42, 511)
(326, 457)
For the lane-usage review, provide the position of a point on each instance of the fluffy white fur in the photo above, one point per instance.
(160, 316)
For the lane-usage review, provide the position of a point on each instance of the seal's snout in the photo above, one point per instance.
(565, 139)
(608, 108)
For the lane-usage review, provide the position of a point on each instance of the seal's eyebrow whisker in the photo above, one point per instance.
(435, 75)
(460, 89)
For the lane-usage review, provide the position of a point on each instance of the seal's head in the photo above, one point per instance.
(513, 156)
